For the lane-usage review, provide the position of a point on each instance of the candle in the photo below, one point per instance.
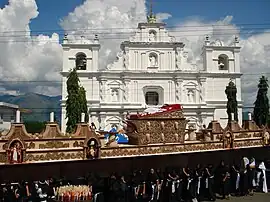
(18, 116)
(52, 117)
(83, 117)
(249, 116)
(232, 114)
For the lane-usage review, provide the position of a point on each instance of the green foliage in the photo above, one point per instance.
(84, 108)
(261, 108)
(34, 126)
(76, 101)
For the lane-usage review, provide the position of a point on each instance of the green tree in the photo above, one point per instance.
(261, 108)
(73, 103)
(84, 108)
(34, 126)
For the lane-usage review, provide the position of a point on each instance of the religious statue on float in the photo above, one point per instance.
(15, 154)
(231, 92)
(92, 150)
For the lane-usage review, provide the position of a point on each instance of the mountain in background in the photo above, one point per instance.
(38, 106)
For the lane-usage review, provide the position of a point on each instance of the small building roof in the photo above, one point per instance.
(4, 104)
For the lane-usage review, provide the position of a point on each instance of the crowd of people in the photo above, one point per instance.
(201, 183)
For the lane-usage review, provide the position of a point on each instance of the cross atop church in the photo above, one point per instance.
(151, 18)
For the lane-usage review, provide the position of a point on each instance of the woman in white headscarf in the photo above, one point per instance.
(261, 177)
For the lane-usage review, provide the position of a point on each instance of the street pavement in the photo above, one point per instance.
(258, 197)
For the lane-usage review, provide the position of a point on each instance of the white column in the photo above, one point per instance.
(18, 116)
(51, 117)
(83, 118)
(249, 116)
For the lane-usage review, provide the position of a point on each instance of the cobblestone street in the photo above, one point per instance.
(258, 197)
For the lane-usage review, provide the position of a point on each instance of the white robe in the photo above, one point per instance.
(15, 155)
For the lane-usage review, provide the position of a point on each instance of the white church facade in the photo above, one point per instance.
(151, 70)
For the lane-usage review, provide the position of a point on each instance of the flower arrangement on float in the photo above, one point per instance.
(73, 193)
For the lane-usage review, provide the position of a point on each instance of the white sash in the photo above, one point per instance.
(177, 183)
(153, 191)
(159, 187)
(135, 190)
(206, 183)
(189, 181)
(199, 185)
(173, 187)
(95, 196)
(237, 183)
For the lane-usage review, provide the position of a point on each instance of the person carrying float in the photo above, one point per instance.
(209, 182)
(251, 175)
(152, 186)
(190, 185)
(244, 177)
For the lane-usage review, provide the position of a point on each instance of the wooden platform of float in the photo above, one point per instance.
(158, 134)
(52, 145)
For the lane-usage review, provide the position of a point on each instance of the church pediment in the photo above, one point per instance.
(114, 84)
(190, 85)
(154, 51)
(114, 119)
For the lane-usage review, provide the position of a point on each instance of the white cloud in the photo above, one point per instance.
(40, 58)
(112, 20)
(163, 16)
(24, 57)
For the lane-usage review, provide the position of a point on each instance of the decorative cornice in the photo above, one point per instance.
(88, 46)
(153, 45)
(221, 47)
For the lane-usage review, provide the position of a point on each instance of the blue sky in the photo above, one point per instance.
(244, 11)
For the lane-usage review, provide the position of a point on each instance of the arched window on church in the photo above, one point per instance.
(152, 98)
(152, 35)
(81, 61)
(223, 62)
(153, 60)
